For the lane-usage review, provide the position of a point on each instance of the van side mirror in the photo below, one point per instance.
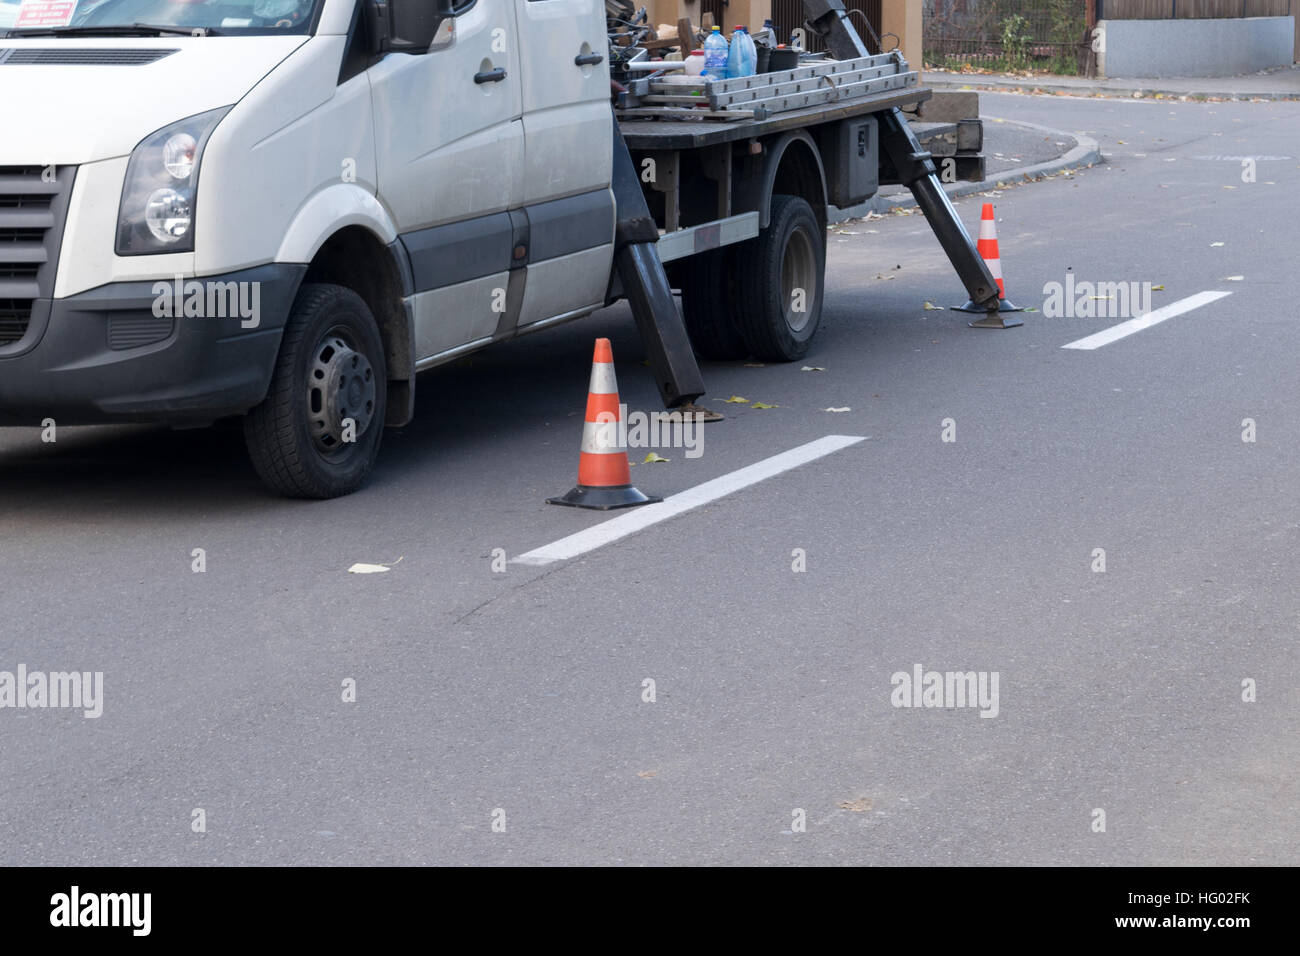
(410, 26)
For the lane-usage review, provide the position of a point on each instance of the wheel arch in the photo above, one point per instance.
(791, 164)
(356, 258)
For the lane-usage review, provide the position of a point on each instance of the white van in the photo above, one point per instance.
(286, 208)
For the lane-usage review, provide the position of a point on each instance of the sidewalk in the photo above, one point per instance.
(1015, 152)
(1281, 84)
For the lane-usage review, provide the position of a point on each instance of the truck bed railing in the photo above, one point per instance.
(762, 95)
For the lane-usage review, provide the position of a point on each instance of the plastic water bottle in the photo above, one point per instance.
(742, 58)
(715, 54)
(734, 55)
(751, 55)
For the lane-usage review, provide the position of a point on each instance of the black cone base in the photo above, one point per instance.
(603, 499)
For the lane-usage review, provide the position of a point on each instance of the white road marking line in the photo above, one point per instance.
(1154, 317)
(638, 519)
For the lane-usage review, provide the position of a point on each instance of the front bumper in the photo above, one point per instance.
(106, 355)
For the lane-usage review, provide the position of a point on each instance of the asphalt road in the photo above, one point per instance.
(522, 691)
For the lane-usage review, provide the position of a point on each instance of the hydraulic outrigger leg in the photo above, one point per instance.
(636, 256)
(915, 170)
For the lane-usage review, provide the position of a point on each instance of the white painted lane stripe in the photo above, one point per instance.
(1154, 317)
(633, 521)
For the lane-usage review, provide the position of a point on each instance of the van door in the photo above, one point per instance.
(567, 130)
(449, 139)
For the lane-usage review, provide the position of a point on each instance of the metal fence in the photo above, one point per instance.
(1190, 9)
(1006, 34)
(787, 15)
(1050, 34)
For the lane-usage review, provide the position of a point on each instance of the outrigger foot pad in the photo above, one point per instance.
(994, 319)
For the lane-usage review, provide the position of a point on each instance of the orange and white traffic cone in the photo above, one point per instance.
(604, 476)
(988, 250)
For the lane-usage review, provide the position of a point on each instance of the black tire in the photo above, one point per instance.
(330, 369)
(709, 304)
(789, 255)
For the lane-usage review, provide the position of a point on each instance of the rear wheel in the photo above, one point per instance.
(316, 435)
(780, 279)
(709, 305)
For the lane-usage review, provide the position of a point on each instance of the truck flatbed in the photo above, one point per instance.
(658, 134)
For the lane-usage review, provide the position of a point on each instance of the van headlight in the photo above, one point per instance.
(162, 181)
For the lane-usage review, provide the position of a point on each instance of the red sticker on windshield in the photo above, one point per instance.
(45, 13)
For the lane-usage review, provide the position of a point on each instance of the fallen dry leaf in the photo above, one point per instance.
(931, 307)
(736, 400)
(651, 459)
(860, 805)
(362, 568)
(763, 405)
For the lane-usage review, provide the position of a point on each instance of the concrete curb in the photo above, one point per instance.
(1016, 86)
(1085, 153)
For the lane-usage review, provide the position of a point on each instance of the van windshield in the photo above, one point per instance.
(84, 17)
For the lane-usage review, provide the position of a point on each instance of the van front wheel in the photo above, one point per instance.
(316, 435)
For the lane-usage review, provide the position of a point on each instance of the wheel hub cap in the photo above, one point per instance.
(799, 280)
(340, 386)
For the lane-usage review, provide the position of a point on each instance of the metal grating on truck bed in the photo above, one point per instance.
(691, 134)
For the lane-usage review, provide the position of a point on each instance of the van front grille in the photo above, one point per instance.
(14, 316)
(33, 202)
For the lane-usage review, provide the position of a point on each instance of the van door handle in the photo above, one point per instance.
(589, 59)
(490, 76)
